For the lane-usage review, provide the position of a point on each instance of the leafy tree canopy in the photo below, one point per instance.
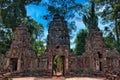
(80, 42)
(12, 11)
(90, 19)
(12, 14)
(65, 8)
(111, 14)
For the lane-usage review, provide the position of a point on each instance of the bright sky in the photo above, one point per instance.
(36, 11)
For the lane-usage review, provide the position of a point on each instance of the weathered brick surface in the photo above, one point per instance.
(112, 74)
(20, 56)
(95, 57)
(58, 41)
(91, 63)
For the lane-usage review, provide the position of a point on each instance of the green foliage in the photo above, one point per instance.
(65, 8)
(5, 39)
(117, 7)
(38, 47)
(110, 41)
(36, 32)
(12, 14)
(58, 62)
(71, 51)
(55, 59)
(34, 28)
(13, 11)
(111, 14)
(80, 42)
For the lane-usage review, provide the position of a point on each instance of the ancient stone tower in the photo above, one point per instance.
(99, 54)
(95, 47)
(20, 55)
(58, 41)
(94, 41)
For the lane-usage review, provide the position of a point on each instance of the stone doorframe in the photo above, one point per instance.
(51, 59)
(14, 64)
(18, 64)
(63, 66)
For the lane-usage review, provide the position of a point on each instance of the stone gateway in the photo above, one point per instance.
(57, 59)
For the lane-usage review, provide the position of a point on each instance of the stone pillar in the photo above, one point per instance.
(66, 65)
(50, 63)
(50, 66)
(91, 63)
(31, 64)
(104, 63)
(19, 65)
(8, 62)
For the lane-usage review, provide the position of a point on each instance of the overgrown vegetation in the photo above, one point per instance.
(12, 14)
(80, 42)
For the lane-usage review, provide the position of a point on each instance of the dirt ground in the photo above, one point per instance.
(58, 78)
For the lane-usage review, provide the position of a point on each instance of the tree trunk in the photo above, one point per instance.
(116, 28)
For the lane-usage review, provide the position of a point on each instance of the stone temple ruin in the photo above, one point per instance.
(57, 59)
(20, 55)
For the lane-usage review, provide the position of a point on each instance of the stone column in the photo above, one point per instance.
(91, 63)
(66, 65)
(50, 63)
(31, 64)
(19, 65)
(66, 62)
(50, 66)
(8, 62)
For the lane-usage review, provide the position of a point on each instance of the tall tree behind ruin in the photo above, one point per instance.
(65, 8)
(80, 42)
(111, 14)
(5, 36)
(13, 13)
(90, 19)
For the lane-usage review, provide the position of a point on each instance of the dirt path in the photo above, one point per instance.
(58, 78)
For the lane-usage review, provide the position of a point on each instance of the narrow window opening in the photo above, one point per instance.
(57, 47)
(99, 55)
(14, 64)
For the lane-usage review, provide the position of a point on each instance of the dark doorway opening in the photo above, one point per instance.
(57, 47)
(13, 63)
(99, 55)
(100, 66)
(58, 65)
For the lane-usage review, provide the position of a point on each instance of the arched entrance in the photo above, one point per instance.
(14, 63)
(58, 65)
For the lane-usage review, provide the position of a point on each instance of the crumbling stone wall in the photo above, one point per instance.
(93, 60)
(79, 62)
(95, 57)
(112, 74)
(43, 62)
(20, 56)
